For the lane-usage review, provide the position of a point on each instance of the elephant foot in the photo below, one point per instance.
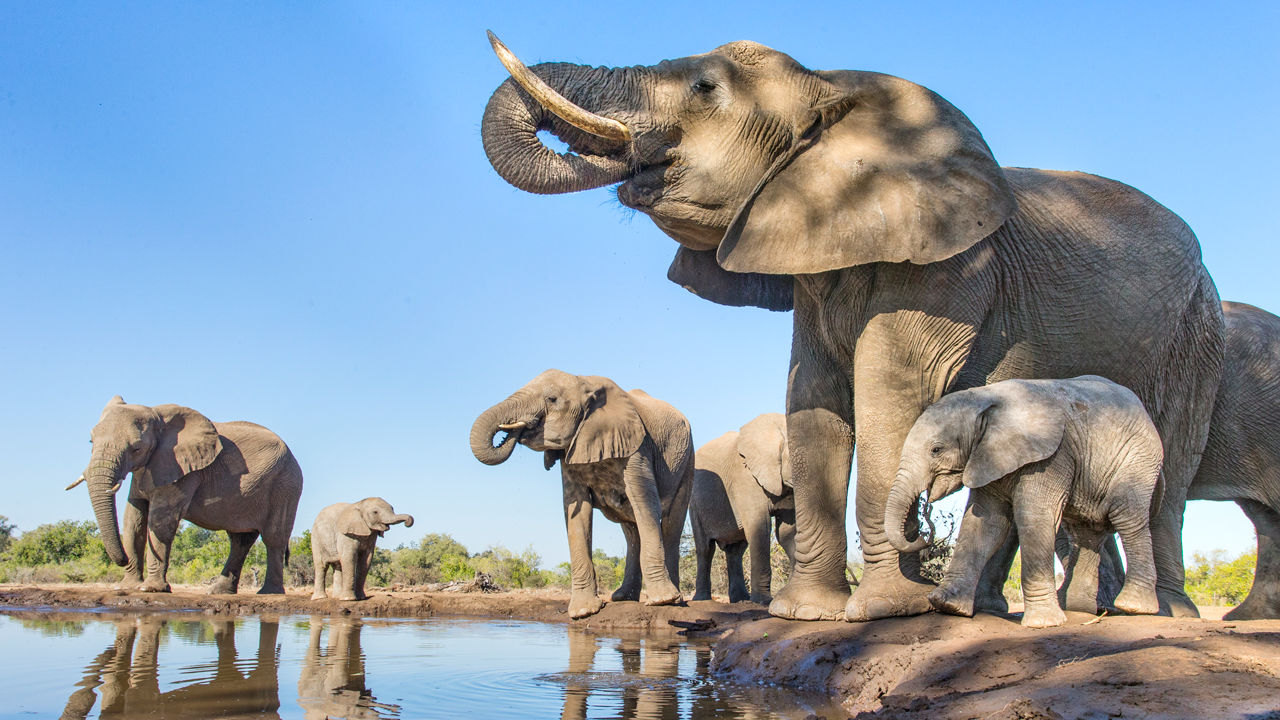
(890, 594)
(1176, 604)
(348, 597)
(1255, 607)
(738, 595)
(663, 594)
(1043, 616)
(223, 586)
(130, 583)
(584, 604)
(1137, 601)
(318, 596)
(952, 601)
(991, 602)
(807, 598)
(627, 593)
(155, 587)
(761, 599)
(702, 595)
(271, 589)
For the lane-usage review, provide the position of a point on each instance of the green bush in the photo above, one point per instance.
(6, 533)
(1216, 580)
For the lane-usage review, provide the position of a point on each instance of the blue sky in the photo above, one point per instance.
(282, 213)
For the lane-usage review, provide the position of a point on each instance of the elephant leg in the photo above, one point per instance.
(642, 493)
(349, 559)
(1138, 596)
(990, 596)
(133, 535)
(704, 549)
(321, 568)
(1080, 553)
(1263, 601)
(1037, 523)
(1166, 540)
(229, 581)
(338, 581)
(983, 530)
(820, 432)
(785, 529)
(630, 587)
(673, 521)
(1110, 572)
(277, 552)
(583, 597)
(161, 528)
(733, 553)
(757, 531)
(364, 559)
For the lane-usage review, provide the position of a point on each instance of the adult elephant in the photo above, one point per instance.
(624, 452)
(233, 476)
(742, 487)
(914, 263)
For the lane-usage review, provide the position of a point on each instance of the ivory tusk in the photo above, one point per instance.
(114, 487)
(578, 117)
(513, 426)
(77, 482)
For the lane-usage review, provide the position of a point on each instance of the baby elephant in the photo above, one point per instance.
(343, 536)
(1034, 451)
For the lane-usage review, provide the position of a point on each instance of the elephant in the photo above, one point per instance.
(913, 263)
(126, 675)
(741, 486)
(625, 453)
(233, 476)
(1032, 453)
(343, 537)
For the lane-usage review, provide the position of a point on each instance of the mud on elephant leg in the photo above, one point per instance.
(1263, 601)
(229, 581)
(629, 590)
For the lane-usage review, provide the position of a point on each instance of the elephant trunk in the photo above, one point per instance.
(103, 478)
(513, 411)
(513, 119)
(405, 518)
(900, 508)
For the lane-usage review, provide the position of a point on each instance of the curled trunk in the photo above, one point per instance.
(102, 476)
(513, 118)
(900, 508)
(486, 427)
(405, 518)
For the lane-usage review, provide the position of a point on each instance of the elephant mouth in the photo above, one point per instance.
(645, 189)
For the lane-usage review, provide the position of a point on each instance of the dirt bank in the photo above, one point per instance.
(932, 666)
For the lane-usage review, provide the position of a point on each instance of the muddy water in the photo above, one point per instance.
(188, 665)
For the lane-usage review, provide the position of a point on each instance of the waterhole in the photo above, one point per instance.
(190, 665)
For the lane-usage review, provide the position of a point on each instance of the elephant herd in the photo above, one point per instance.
(1051, 340)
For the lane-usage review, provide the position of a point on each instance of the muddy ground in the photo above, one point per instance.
(932, 666)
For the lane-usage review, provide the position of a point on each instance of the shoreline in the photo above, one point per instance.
(928, 666)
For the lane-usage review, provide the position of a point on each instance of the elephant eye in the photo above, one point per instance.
(702, 86)
(551, 400)
(935, 450)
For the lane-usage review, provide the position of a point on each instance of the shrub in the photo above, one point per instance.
(1216, 580)
(60, 542)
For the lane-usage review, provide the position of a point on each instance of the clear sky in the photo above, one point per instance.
(281, 212)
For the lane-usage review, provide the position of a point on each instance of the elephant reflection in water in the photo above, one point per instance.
(332, 683)
(126, 675)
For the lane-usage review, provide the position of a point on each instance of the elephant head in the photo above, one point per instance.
(370, 516)
(762, 444)
(577, 418)
(972, 437)
(157, 444)
(759, 167)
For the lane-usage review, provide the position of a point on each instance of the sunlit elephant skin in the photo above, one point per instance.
(126, 676)
(233, 476)
(343, 538)
(333, 683)
(1031, 452)
(625, 453)
(914, 263)
(741, 487)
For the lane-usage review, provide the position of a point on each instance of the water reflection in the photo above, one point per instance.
(333, 682)
(126, 676)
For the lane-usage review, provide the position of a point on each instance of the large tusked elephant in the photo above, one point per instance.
(741, 487)
(914, 263)
(233, 476)
(626, 453)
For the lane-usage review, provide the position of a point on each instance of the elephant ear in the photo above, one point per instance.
(611, 426)
(351, 522)
(188, 442)
(698, 272)
(888, 171)
(1013, 434)
(762, 443)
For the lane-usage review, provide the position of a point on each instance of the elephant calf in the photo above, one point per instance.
(626, 453)
(741, 486)
(343, 537)
(1034, 451)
